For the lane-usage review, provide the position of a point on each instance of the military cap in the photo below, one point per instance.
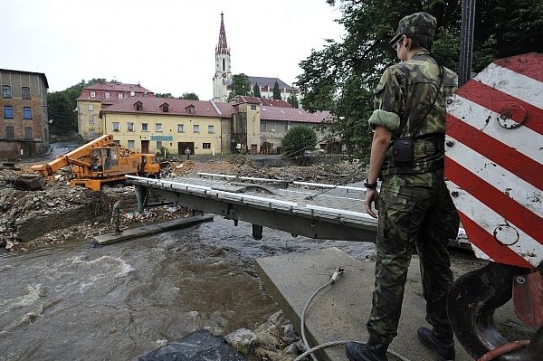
(416, 24)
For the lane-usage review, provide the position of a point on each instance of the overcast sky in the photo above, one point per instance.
(168, 46)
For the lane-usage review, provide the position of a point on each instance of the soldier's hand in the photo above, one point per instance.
(371, 197)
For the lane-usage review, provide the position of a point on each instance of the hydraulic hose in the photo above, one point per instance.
(310, 351)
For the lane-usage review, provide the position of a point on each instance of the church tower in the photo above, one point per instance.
(223, 74)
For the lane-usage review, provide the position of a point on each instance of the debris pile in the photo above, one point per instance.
(18, 206)
(55, 213)
(332, 171)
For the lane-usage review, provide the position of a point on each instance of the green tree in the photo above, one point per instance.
(293, 100)
(190, 96)
(240, 86)
(298, 139)
(256, 91)
(276, 91)
(341, 77)
(506, 28)
(62, 107)
(61, 112)
(163, 95)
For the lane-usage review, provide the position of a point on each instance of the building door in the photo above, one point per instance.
(254, 148)
(182, 146)
(145, 146)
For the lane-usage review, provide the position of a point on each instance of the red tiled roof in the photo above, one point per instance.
(225, 109)
(152, 105)
(123, 87)
(293, 115)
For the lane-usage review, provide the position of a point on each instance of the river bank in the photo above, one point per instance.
(29, 218)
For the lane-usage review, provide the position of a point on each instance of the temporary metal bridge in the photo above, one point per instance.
(314, 210)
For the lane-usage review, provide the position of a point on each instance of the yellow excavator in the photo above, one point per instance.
(101, 161)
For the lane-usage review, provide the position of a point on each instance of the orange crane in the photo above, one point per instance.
(101, 161)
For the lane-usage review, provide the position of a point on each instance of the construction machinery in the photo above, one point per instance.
(101, 161)
(494, 162)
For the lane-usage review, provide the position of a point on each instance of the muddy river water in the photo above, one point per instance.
(121, 301)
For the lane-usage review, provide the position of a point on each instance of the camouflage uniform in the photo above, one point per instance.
(416, 212)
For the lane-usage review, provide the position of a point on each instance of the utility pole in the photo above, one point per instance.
(466, 40)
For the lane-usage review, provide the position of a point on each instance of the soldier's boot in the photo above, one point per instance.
(371, 351)
(442, 344)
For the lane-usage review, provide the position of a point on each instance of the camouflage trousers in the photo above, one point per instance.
(116, 220)
(416, 213)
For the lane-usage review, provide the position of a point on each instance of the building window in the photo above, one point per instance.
(211, 129)
(139, 106)
(206, 145)
(158, 144)
(158, 127)
(196, 128)
(253, 107)
(93, 95)
(10, 134)
(120, 95)
(130, 127)
(6, 91)
(26, 93)
(91, 119)
(116, 126)
(287, 126)
(144, 127)
(263, 125)
(91, 107)
(27, 113)
(191, 109)
(180, 128)
(108, 95)
(165, 108)
(8, 112)
(131, 144)
(28, 133)
(92, 133)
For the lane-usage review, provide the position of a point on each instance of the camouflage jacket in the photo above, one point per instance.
(408, 89)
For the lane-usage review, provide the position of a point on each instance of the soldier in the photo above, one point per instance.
(414, 206)
(116, 216)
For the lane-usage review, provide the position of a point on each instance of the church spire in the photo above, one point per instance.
(222, 47)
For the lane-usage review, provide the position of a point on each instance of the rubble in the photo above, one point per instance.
(56, 213)
(330, 170)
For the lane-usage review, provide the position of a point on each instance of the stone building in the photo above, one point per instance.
(24, 125)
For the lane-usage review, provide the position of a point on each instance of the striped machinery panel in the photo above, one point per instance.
(494, 160)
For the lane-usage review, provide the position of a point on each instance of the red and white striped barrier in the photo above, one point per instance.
(494, 160)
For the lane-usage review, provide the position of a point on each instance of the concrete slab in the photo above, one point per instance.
(152, 228)
(341, 310)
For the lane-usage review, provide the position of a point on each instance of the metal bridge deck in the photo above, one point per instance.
(314, 210)
(320, 211)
